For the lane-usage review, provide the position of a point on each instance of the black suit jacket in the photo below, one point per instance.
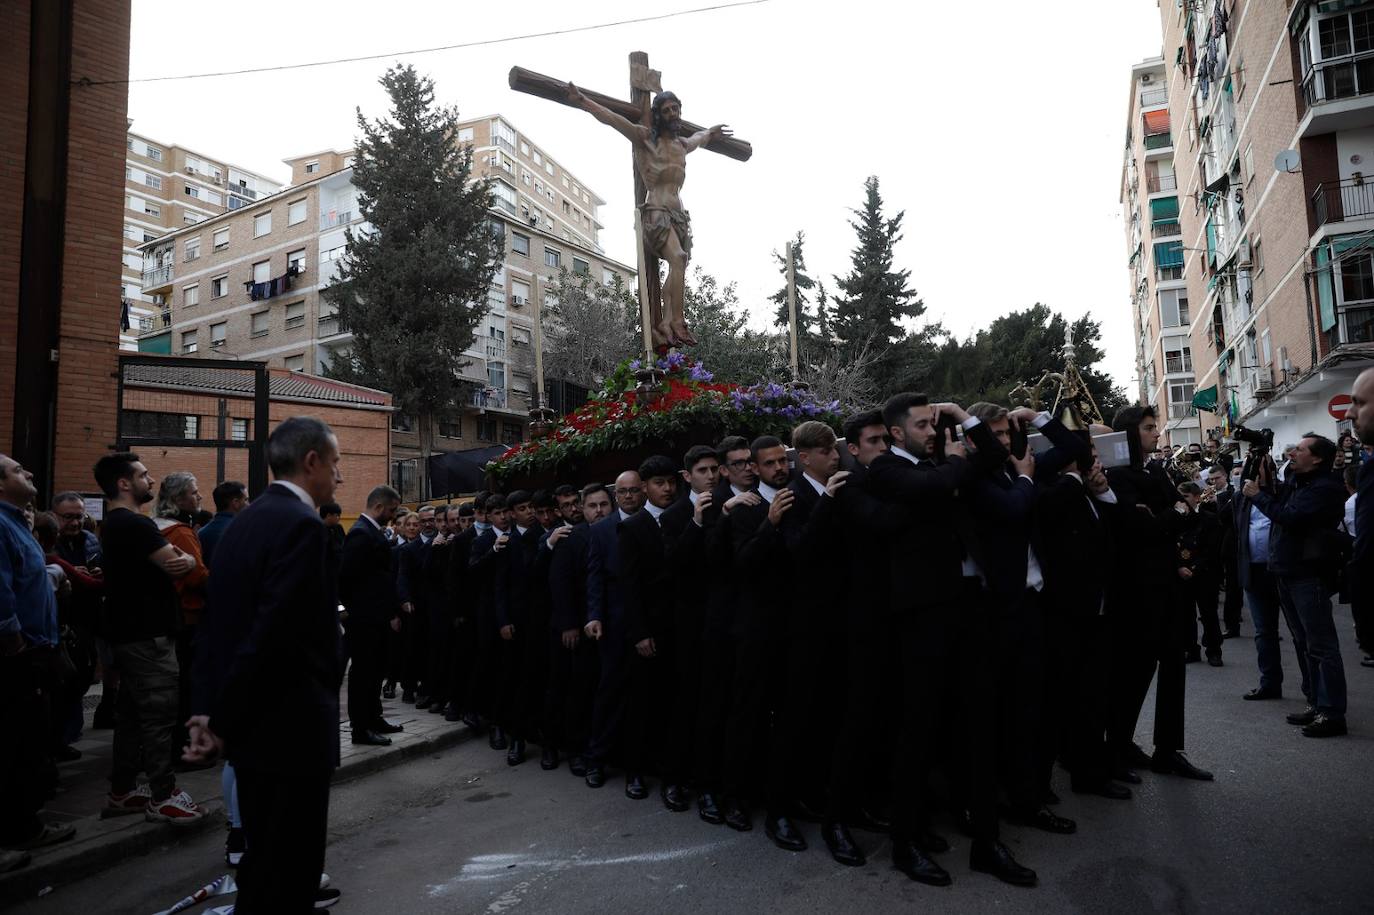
(1074, 548)
(568, 581)
(410, 574)
(925, 557)
(762, 569)
(813, 534)
(646, 579)
(367, 577)
(269, 662)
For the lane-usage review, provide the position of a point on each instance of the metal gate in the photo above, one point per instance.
(206, 416)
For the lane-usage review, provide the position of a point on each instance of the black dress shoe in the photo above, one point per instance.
(1135, 758)
(422, 701)
(964, 820)
(370, 739)
(910, 860)
(437, 707)
(408, 695)
(451, 713)
(104, 716)
(516, 754)
(994, 858)
(1126, 776)
(1175, 763)
(1045, 820)
(1257, 693)
(578, 767)
(1305, 717)
(1110, 790)
(634, 788)
(386, 727)
(784, 835)
(548, 759)
(389, 691)
(1192, 657)
(1214, 660)
(737, 816)
(674, 797)
(809, 812)
(932, 843)
(1325, 726)
(871, 821)
(842, 846)
(707, 809)
(472, 720)
(497, 739)
(596, 777)
(1051, 798)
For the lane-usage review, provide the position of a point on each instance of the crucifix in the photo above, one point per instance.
(660, 141)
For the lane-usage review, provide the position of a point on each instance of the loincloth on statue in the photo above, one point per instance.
(659, 221)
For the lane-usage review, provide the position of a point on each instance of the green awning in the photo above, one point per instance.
(160, 344)
(1169, 254)
(1164, 208)
(1178, 60)
(1211, 242)
(1326, 290)
(1346, 243)
(1206, 399)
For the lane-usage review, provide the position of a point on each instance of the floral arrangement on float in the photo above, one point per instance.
(631, 418)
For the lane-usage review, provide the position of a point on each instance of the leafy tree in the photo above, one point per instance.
(589, 329)
(874, 298)
(729, 349)
(413, 286)
(813, 319)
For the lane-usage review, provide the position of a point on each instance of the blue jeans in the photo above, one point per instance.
(1263, 599)
(229, 786)
(1309, 600)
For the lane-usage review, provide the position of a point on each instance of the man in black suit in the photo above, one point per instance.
(738, 478)
(1149, 621)
(1200, 572)
(511, 586)
(606, 626)
(367, 588)
(573, 667)
(484, 560)
(270, 664)
(414, 595)
(461, 700)
(1219, 499)
(942, 631)
(759, 738)
(439, 640)
(534, 646)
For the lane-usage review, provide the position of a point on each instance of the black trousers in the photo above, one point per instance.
(571, 690)
(648, 688)
(285, 821)
(26, 764)
(506, 705)
(608, 710)
(859, 764)
(1150, 640)
(717, 677)
(766, 717)
(366, 641)
(417, 649)
(1231, 609)
(483, 678)
(438, 652)
(534, 677)
(1074, 714)
(1200, 593)
(462, 660)
(1018, 630)
(944, 669)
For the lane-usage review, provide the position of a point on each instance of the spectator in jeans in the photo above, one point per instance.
(1262, 597)
(1306, 513)
(178, 500)
(141, 607)
(28, 637)
(231, 497)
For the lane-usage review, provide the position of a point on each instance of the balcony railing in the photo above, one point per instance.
(1181, 410)
(243, 191)
(1340, 201)
(496, 349)
(503, 143)
(1154, 184)
(1165, 228)
(1177, 366)
(149, 324)
(504, 204)
(1342, 77)
(158, 276)
(1356, 325)
(335, 218)
(1158, 140)
(489, 398)
(1151, 97)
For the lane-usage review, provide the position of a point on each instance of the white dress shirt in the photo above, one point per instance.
(297, 491)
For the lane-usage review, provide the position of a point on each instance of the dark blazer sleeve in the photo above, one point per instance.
(902, 484)
(754, 537)
(564, 582)
(635, 569)
(407, 579)
(1065, 449)
(597, 572)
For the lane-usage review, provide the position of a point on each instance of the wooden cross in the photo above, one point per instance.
(643, 82)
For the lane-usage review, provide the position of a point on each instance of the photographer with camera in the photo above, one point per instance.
(1305, 512)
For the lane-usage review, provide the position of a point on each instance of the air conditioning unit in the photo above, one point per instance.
(190, 170)
(1145, 78)
(216, 344)
(1264, 385)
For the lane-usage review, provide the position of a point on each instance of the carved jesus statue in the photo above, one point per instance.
(661, 159)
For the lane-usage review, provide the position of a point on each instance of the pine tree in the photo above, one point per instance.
(812, 320)
(874, 298)
(413, 287)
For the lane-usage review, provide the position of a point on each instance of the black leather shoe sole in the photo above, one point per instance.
(548, 763)
(1017, 876)
(792, 842)
(595, 778)
(931, 874)
(1256, 695)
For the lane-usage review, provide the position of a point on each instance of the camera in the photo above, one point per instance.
(1261, 440)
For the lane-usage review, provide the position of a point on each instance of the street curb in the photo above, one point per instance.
(80, 858)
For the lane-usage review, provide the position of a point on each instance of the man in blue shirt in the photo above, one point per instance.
(231, 497)
(28, 634)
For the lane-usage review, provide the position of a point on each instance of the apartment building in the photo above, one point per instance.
(1159, 292)
(247, 283)
(1271, 114)
(168, 187)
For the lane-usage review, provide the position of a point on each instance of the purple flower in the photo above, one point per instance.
(790, 411)
(810, 408)
(833, 406)
(700, 374)
(773, 390)
(635, 365)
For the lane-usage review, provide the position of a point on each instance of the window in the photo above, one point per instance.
(1266, 349)
(1178, 359)
(147, 424)
(451, 429)
(262, 271)
(295, 363)
(312, 167)
(504, 196)
(548, 167)
(607, 276)
(262, 224)
(295, 212)
(190, 219)
(213, 197)
(1256, 257)
(259, 326)
(295, 315)
(496, 374)
(565, 180)
(154, 153)
(512, 432)
(401, 423)
(188, 341)
(219, 286)
(193, 248)
(1181, 401)
(538, 159)
(217, 332)
(520, 336)
(1173, 308)
(192, 191)
(1357, 278)
(486, 429)
(1248, 163)
(552, 258)
(581, 267)
(153, 181)
(520, 292)
(464, 134)
(190, 295)
(296, 259)
(221, 239)
(238, 429)
(151, 210)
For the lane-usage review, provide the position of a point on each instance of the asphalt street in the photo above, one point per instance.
(1288, 826)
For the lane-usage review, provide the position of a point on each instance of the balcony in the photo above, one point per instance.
(336, 218)
(1165, 228)
(149, 324)
(504, 204)
(1354, 327)
(489, 399)
(1157, 184)
(503, 143)
(1181, 410)
(1177, 366)
(1149, 98)
(157, 280)
(242, 191)
(1342, 201)
(1336, 92)
(495, 349)
(329, 325)
(1157, 141)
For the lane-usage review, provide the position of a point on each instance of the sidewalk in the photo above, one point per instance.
(100, 843)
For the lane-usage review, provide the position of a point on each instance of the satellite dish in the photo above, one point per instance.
(1287, 161)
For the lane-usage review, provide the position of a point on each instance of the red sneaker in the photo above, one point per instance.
(135, 801)
(178, 809)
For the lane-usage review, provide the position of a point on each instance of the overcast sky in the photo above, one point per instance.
(998, 129)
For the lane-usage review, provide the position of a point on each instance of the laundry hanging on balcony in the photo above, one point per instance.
(124, 316)
(272, 287)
